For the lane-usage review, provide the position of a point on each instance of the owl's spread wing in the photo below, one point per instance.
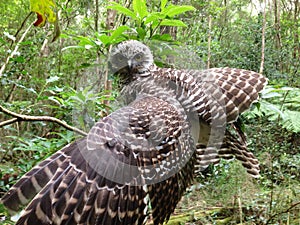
(233, 89)
(135, 156)
(228, 92)
(218, 95)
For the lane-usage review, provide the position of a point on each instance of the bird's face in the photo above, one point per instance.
(131, 59)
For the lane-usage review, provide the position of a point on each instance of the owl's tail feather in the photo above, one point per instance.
(231, 148)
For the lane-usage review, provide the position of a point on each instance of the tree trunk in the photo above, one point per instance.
(278, 42)
(96, 15)
(110, 23)
(262, 62)
(209, 41)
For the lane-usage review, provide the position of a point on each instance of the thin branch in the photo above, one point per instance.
(20, 117)
(21, 27)
(282, 212)
(13, 53)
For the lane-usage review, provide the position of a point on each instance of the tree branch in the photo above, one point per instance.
(282, 212)
(20, 117)
(13, 53)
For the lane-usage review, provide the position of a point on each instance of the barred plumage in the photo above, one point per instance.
(146, 153)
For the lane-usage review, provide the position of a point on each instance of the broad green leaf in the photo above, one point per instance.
(271, 95)
(141, 32)
(140, 8)
(105, 39)
(274, 109)
(287, 89)
(153, 17)
(163, 4)
(84, 41)
(174, 23)
(174, 10)
(163, 37)
(116, 33)
(122, 9)
(44, 10)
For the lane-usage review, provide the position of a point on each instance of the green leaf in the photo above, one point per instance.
(153, 17)
(19, 59)
(84, 41)
(2, 41)
(140, 8)
(292, 122)
(175, 23)
(163, 4)
(122, 10)
(105, 39)
(271, 95)
(164, 37)
(141, 32)
(116, 33)
(174, 10)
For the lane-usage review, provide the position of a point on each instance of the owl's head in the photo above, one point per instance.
(131, 58)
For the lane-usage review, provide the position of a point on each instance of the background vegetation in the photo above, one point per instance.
(59, 70)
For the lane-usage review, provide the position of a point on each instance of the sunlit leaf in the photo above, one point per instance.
(44, 10)
(163, 4)
(153, 17)
(122, 9)
(120, 30)
(140, 8)
(105, 39)
(174, 10)
(174, 23)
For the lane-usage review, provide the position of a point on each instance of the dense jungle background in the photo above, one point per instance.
(58, 68)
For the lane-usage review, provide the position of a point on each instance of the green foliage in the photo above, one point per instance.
(44, 10)
(279, 105)
(146, 23)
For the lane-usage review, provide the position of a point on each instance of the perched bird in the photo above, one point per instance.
(140, 159)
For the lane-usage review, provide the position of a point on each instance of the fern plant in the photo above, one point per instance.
(280, 105)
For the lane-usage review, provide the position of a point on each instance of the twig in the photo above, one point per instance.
(20, 117)
(282, 212)
(21, 27)
(14, 51)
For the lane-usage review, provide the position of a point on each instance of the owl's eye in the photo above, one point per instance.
(138, 57)
(120, 58)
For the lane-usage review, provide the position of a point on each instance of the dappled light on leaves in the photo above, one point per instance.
(44, 10)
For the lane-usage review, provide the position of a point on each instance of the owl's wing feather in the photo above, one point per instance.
(110, 176)
(33, 181)
(238, 89)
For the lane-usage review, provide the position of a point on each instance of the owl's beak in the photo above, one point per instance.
(130, 64)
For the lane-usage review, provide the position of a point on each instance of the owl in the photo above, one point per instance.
(140, 159)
